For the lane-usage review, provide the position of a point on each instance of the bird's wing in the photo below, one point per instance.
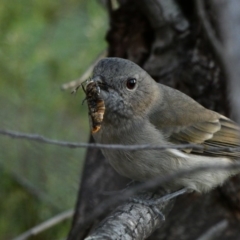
(182, 120)
(221, 133)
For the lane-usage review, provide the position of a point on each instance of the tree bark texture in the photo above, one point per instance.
(166, 38)
(133, 220)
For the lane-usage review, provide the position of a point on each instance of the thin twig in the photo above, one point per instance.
(46, 225)
(42, 139)
(215, 231)
(75, 83)
(216, 44)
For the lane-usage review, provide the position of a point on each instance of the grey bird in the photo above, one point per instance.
(140, 111)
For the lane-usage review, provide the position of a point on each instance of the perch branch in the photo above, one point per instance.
(133, 220)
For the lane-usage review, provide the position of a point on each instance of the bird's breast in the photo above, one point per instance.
(140, 164)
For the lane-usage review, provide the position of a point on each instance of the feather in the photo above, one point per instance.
(220, 134)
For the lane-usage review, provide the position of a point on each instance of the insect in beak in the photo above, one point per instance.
(96, 106)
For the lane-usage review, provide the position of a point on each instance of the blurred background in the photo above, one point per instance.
(43, 44)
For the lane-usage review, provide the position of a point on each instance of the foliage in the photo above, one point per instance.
(43, 45)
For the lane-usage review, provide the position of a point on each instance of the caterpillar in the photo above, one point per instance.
(96, 106)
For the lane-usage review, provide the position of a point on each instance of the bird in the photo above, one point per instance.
(137, 110)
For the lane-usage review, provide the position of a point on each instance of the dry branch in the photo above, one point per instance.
(133, 221)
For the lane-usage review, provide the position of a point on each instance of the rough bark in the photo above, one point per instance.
(133, 220)
(178, 54)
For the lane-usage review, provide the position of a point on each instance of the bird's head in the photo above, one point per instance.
(127, 90)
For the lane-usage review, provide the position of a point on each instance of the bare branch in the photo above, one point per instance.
(133, 220)
(46, 225)
(215, 231)
(42, 139)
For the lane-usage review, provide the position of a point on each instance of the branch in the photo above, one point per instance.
(133, 220)
(46, 225)
(42, 139)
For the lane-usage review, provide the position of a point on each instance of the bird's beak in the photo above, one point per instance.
(100, 83)
(97, 80)
(102, 87)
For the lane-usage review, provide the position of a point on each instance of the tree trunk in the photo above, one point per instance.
(167, 38)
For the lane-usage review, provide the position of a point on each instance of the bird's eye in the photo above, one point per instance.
(131, 83)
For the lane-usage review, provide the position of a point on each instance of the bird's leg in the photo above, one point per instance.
(153, 203)
(128, 185)
(161, 199)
